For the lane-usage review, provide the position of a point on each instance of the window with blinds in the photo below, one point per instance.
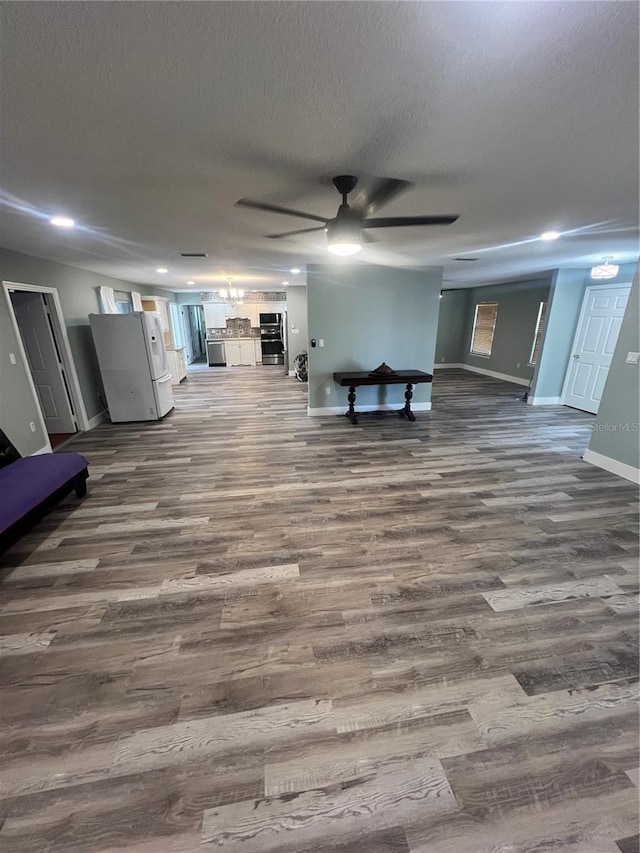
(484, 324)
(537, 338)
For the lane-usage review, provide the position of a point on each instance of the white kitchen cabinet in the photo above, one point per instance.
(177, 365)
(240, 351)
(254, 313)
(257, 348)
(215, 315)
(241, 312)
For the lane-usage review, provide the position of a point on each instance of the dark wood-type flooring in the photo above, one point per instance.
(266, 632)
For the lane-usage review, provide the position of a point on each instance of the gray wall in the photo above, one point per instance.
(366, 315)
(79, 298)
(297, 319)
(451, 327)
(565, 301)
(615, 433)
(518, 305)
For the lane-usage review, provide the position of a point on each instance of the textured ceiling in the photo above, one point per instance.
(146, 121)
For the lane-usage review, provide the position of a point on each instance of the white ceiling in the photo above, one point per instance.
(145, 122)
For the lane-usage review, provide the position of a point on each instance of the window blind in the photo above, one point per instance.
(537, 338)
(484, 325)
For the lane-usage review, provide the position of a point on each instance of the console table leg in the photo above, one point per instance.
(351, 397)
(405, 411)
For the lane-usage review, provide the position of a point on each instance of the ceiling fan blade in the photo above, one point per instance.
(402, 221)
(383, 191)
(274, 208)
(291, 233)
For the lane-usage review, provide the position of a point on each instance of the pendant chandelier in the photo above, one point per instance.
(605, 270)
(231, 295)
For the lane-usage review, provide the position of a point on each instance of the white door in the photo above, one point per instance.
(593, 346)
(186, 329)
(44, 361)
(154, 336)
(176, 325)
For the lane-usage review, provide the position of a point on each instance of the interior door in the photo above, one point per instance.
(45, 363)
(593, 346)
(186, 328)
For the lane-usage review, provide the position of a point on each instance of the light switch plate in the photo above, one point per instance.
(633, 357)
(12, 358)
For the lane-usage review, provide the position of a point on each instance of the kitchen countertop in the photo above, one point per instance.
(233, 338)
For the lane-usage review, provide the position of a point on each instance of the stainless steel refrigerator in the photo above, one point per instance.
(284, 337)
(133, 365)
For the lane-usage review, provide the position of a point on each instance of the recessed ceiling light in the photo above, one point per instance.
(295, 270)
(62, 221)
(162, 270)
(285, 283)
(550, 235)
(191, 282)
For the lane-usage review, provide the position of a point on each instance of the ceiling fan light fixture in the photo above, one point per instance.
(344, 249)
(605, 270)
(344, 235)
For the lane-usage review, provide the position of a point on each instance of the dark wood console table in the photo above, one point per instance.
(400, 377)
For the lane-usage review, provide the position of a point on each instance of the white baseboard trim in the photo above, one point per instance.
(385, 407)
(544, 401)
(45, 449)
(505, 376)
(292, 373)
(612, 465)
(97, 419)
(445, 366)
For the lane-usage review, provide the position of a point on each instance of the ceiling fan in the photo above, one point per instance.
(347, 230)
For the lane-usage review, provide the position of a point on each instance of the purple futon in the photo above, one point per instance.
(29, 487)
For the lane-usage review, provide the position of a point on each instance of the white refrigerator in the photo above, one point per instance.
(133, 365)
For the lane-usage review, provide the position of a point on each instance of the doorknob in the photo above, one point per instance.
(576, 355)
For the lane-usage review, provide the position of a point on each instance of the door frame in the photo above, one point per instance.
(576, 336)
(62, 340)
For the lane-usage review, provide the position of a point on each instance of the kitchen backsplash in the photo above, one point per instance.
(237, 327)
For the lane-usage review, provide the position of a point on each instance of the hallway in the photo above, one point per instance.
(268, 633)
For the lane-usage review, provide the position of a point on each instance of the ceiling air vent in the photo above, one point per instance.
(193, 254)
(465, 259)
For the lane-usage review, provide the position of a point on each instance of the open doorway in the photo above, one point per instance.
(45, 351)
(195, 333)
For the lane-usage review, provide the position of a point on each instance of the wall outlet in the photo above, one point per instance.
(12, 358)
(32, 426)
(327, 390)
(321, 342)
(633, 357)
(442, 359)
(518, 364)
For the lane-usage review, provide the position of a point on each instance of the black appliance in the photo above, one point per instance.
(270, 320)
(271, 338)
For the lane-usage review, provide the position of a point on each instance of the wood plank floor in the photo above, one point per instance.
(267, 632)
